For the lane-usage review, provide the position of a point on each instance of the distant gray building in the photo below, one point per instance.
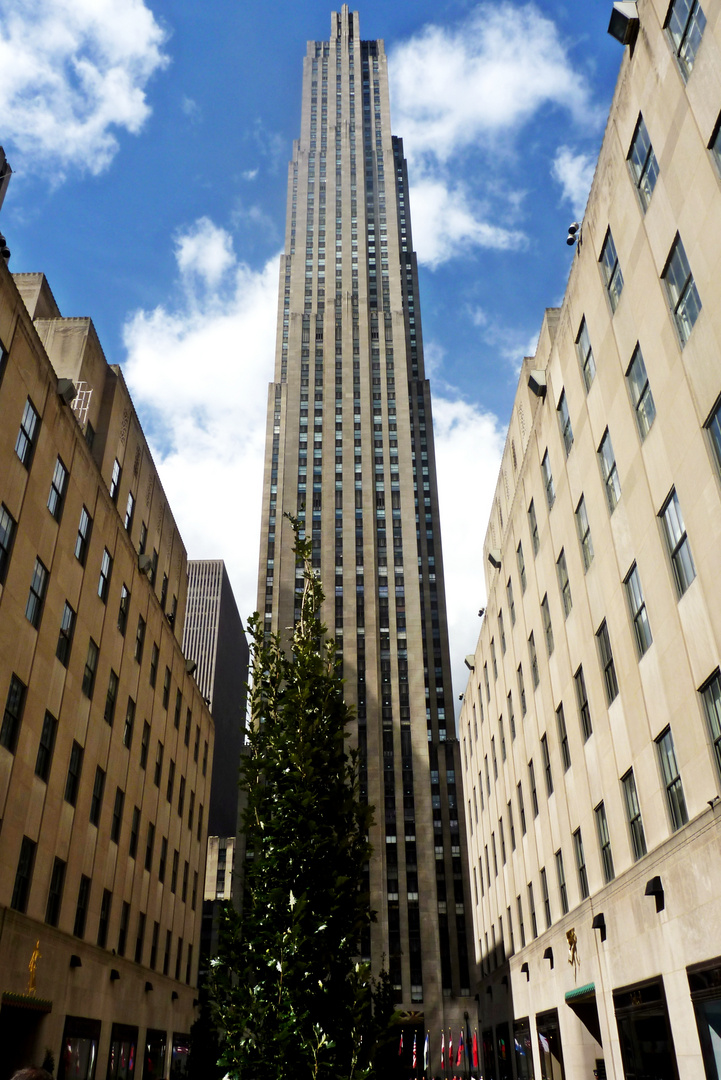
(214, 638)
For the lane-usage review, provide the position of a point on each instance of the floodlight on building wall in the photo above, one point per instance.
(548, 955)
(624, 22)
(470, 662)
(4, 249)
(537, 383)
(574, 234)
(75, 961)
(148, 987)
(145, 564)
(191, 666)
(494, 558)
(114, 974)
(654, 888)
(599, 923)
(525, 971)
(66, 391)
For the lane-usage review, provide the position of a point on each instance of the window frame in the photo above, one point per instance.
(584, 709)
(13, 713)
(583, 528)
(37, 593)
(106, 572)
(82, 540)
(637, 611)
(634, 820)
(564, 422)
(8, 529)
(564, 583)
(686, 42)
(608, 667)
(710, 693)
(581, 867)
(58, 487)
(671, 779)
(642, 163)
(561, 877)
(28, 433)
(639, 390)
(684, 300)
(677, 543)
(563, 737)
(609, 471)
(585, 355)
(604, 843)
(46, 746)
(611, 273)
(548, 484)
(75, 769)
(547, 624)
(533, 528)
(91, 669)
(66, 634)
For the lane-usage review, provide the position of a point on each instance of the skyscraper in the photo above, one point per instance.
(349, 449)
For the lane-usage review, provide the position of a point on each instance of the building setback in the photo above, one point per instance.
(591, 723)
(349, 449)
(106, 744)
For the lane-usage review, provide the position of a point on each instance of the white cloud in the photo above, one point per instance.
(250, 174)
(482, 80)
(574, 172)
(199, 376)
(191, 109)
(204, 251)
(471, 90)
(72, 71)
(445, 223)
(469, 444)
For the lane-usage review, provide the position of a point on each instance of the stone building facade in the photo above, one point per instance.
(591, 722)
(106, 745)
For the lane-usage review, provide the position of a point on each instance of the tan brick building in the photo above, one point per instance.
(591, 723)
(106, 744)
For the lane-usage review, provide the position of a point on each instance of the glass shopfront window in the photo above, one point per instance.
(79, 1050)
(523, 1049)
(503, 1052)
(154, 1054)
(549, 1046)
(179, 1057)
(646, 1042)
(705, 985)
(123, 1052)
(489, 1056)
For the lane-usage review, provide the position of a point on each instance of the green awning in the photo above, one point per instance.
(581, 992)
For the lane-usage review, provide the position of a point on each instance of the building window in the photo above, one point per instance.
(681, 291)
(607, 460)
(153, 673)
(547, 626)
(36, 596)
(585, 355)
(563, 738)
(150, 841)
(23, 875)
(582, 700)
(140, 639)
(711, 694)
(46, 747)
(55, 893)
(564, 420)
(129, 512)
(606, 656)
(546, 898)
(171, 781)
(12, 716)
(712, 425)
(672, 779)
(166, 688)
(521, 566)
(642, 163)
(83, 538)
(123, 930)
(637, 607)
(633, 815)
(7, 533)
(521, 689)
(485, 679)
(604, 843)
(143, 538)
(205, 757)
(28, 433)
(111, 697)
(96, 801)
(679, 548)
(532, 782)
(140, 938)
(57, 490)
(521, 809)
(511, 604)
(580, 864)
(158, 764)
(91, 666)
(144, 744)
(532, 909)
(104, 920)
(115, 480)
(117, 816)
(533, 656)
(611, 271)
(685, 24)
(548, 480)
(106, 569)
(134, 833)
(129, 723)
(123, 609)
(533, 528)
(502, 632)
(521, 928)
(584, 533)
(163, 861)
(75, 767)
(640, 391)
(65, 637)
(174, 872)
(563, 583)
(562, 889)
(547, 765)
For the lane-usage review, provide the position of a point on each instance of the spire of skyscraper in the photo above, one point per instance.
(349, 449)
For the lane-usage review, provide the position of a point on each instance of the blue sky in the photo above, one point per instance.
(150, 143)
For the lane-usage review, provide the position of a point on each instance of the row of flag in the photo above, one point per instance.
(462, 1050)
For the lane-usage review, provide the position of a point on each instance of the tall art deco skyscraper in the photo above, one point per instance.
(350, 449)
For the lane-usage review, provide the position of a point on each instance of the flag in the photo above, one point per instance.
(475, 1050)
(427, 1053)
(414, 1050)
(450, 1048)
(459, 1058)
(544, 1043)
(443, 1050)
(400, 1046)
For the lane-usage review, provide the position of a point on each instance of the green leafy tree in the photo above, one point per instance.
(291, 999)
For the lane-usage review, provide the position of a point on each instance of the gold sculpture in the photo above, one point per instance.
(32, 969)
(573, 957)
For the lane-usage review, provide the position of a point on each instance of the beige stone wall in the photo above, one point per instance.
(658, 689)
(38, 809)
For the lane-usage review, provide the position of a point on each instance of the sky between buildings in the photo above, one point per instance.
(150, 144)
